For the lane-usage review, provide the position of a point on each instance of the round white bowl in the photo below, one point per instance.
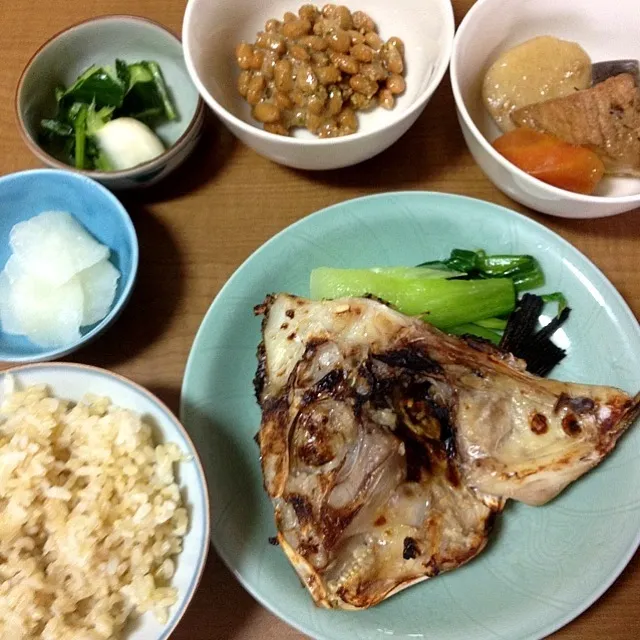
(212, 29)
(72, 382)
(61, 59)
(493, 26)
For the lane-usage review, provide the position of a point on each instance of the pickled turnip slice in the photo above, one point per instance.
(8, 321)
(54, 247)
(49, 316)
(99, 284)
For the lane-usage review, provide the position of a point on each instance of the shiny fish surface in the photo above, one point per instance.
(388, 448)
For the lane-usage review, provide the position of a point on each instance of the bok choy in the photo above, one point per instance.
(468, 293)
(442, 301)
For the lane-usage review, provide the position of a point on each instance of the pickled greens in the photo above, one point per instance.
(100, 95)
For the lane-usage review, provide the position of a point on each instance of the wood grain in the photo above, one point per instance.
(206, 219)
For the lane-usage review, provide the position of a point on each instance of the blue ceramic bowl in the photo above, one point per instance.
(24, 195)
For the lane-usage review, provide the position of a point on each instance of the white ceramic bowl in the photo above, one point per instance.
(72, 382)
(606, 30)
(100, 41)
(213, 28)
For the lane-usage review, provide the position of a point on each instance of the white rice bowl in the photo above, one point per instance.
(93, 520)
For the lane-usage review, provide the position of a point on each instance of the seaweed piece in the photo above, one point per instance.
(535, 347)
(522, 322)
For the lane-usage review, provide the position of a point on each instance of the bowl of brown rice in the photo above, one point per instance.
(104, 512)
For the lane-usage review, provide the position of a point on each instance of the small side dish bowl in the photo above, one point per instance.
(492, 27)
(26, 194)
(211, 31)
(99, 41)
(72, 382)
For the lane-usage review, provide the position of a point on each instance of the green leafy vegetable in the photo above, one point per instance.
(96, 119)
(147, 94)
(57, 128)
(497, 324)
(99, 85)
(101, 163)
(142, 101)
(161, 87)
(122, 71)
(80, 127)
(98, 95)
(558, 297)
(469, 293)
(440, 301)
(524, 270)
(426, 273)
(475, 329)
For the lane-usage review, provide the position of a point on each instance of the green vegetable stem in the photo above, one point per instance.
(524, 270)
(469, 293)
(440, 301)
(80, 126)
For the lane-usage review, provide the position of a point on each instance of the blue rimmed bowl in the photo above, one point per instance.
(24, 195)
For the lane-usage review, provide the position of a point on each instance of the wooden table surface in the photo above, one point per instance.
(225, 202)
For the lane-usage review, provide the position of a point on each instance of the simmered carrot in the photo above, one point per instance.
(552, 160)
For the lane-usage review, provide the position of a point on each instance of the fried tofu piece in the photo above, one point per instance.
(604, 118)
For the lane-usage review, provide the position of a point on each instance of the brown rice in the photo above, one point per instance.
(91, 518)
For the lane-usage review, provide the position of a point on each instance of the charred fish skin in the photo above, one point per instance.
(388, 448)
(350, 481)
(528, 438)
(260, 377)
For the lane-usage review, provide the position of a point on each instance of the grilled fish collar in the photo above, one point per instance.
(388, 447)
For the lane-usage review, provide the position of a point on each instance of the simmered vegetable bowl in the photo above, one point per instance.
(105, 119)
(469, 293)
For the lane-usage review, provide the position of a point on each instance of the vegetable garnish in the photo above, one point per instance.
(521, 338)
(441, 300)
(552, 160)
(524, 270)
(101, 95)
(468, 293)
